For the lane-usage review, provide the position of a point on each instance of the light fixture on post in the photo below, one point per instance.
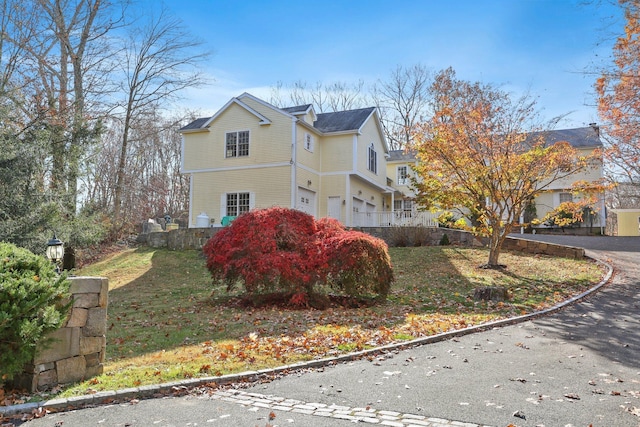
(55, 251)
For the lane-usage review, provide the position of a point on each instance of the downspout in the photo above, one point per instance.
(603, 217)
(354, 170)
(348, 200)
(191, 176)
(294, 163)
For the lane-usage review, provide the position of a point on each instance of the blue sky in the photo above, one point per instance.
(540, 46)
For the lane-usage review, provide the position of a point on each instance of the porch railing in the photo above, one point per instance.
(395, 219)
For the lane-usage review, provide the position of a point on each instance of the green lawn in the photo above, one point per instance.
(166, 321)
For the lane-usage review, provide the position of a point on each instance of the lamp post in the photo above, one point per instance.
(55, 251)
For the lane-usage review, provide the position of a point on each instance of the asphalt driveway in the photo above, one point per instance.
(577, 367)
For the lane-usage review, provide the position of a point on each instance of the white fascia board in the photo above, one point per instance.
(263, 119)
(264, 103)
(199, 130)
(310, 127)
(342, 132)
(368, 181)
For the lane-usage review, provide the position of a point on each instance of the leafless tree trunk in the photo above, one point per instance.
(62, 57)
(402, 100)
(152, 177)
(160, 61)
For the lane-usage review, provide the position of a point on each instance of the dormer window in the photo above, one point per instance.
(308, 142)
(237, 144)
(372, 159)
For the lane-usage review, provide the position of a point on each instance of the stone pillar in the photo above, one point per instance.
(76, 351)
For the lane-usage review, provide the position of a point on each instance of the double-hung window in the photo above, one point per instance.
(566, 197)
(372, 159)
(237, 144)
(238, 203)
(403, 175)
(308, 142)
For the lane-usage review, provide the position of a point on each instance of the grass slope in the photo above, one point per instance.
(166, 321)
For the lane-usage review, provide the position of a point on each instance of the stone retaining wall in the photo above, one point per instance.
(77, 350)
(178, 239)
(421, 236)
(195, 238)
(536, 247)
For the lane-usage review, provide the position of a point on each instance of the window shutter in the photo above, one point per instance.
(252, 200)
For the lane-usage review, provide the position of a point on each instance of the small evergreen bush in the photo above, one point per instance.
(279, 250)
(33, 301)
(444, 240)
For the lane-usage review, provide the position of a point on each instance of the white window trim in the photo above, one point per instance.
(237, 132)
(405, 180)
(562, 195)
(371, 152)
(310, 146)
(223, 201)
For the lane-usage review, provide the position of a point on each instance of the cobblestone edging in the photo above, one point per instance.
(357, 415)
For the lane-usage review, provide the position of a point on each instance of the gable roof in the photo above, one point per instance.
(298, 109)
(194, 125)
(204, 122)
(334, 122)
(585, 137)
(401, 155)
(342, 121)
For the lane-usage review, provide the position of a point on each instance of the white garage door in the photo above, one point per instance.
(306, 201)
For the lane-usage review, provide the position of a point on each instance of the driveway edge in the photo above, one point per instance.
(104, 397)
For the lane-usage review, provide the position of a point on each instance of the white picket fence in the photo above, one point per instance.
(395, 219)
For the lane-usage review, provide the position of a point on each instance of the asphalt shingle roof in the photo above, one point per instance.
(342, 120)
(296, 109)
(196, 124)
(578, 137)
(397, 155)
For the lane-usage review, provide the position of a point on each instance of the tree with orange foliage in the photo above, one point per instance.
(618, 92)
(483, 154)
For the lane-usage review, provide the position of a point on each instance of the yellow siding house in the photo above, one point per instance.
(251, 154)
(585, 140)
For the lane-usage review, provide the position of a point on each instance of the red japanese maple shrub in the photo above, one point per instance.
(266, 250)
(279, 250)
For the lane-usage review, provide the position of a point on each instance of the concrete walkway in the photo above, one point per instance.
(577, 367)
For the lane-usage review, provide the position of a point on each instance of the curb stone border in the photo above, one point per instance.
(148, 391)
(366, 415)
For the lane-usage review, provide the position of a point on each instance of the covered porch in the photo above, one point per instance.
(395, 218)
